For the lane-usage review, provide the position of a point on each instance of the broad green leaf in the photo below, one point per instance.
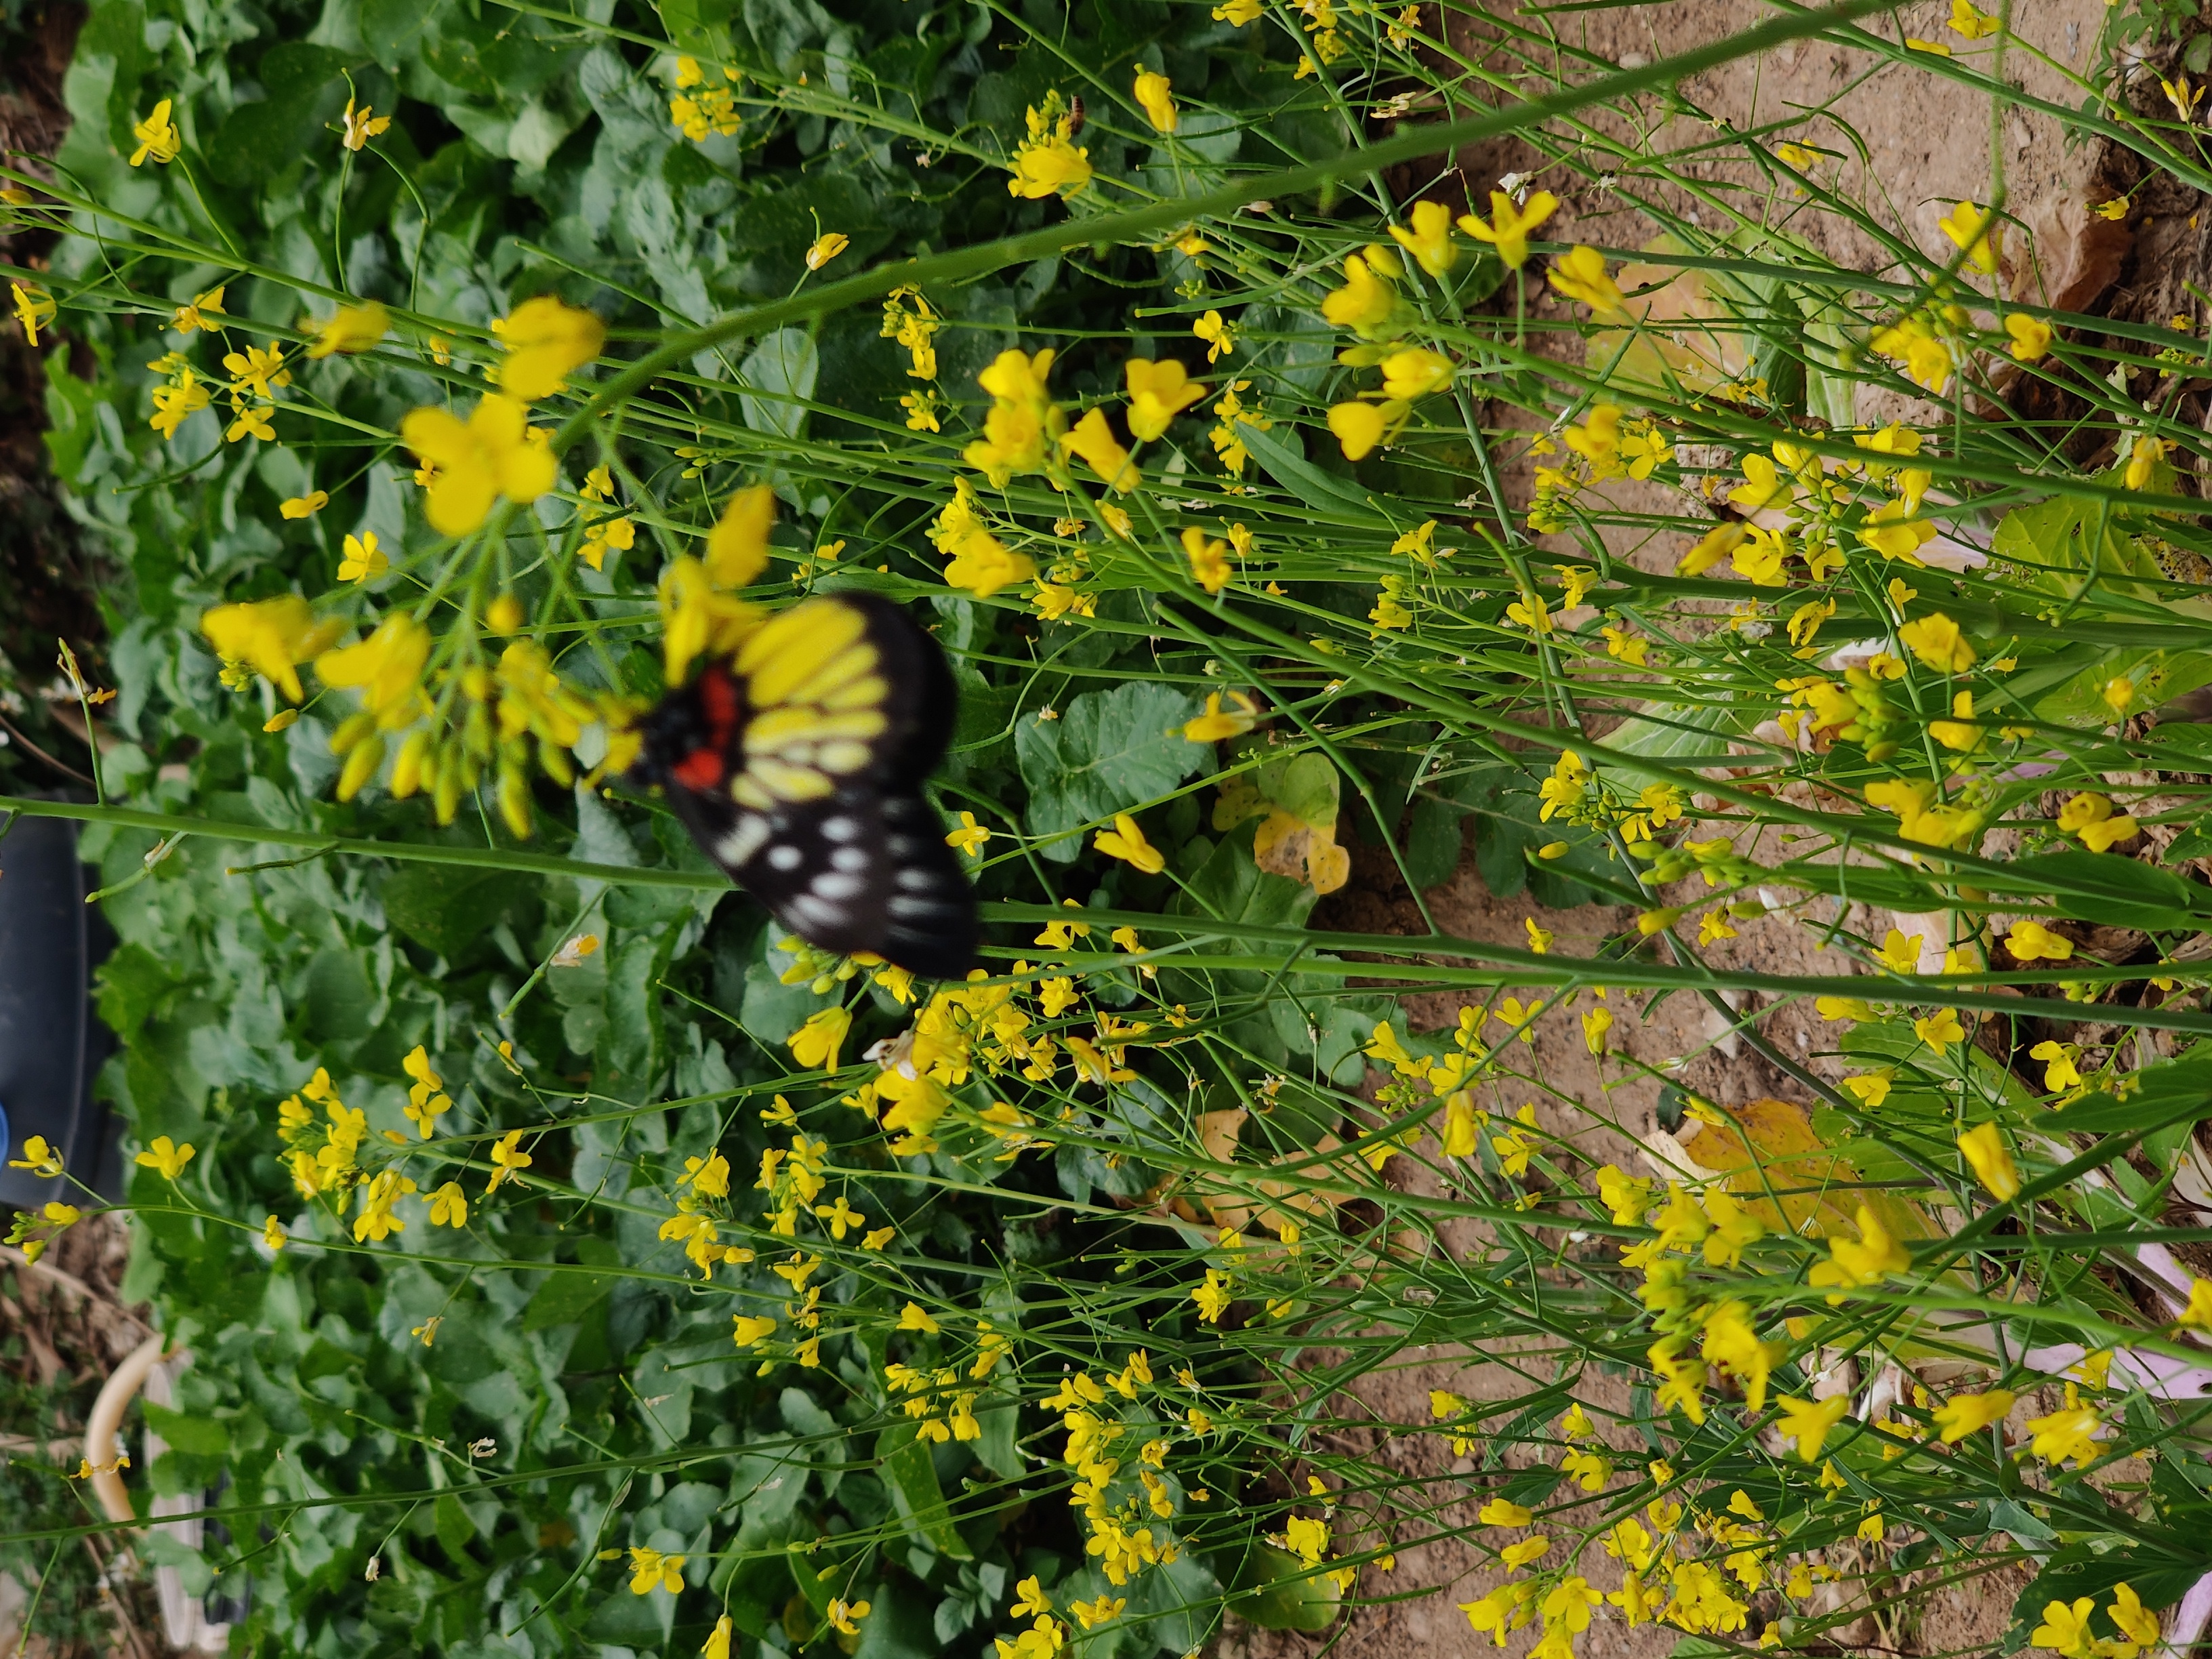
(1110, 751)
(780, 372)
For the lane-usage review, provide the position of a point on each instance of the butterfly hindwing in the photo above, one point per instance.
(796, 764)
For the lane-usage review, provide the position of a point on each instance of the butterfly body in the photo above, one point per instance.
(796, 764)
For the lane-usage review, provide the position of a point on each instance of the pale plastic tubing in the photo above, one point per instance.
(115, 1396)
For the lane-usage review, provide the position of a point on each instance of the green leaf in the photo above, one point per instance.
(1108, 752)
(304, 92)
(1320, 490)
(2117, 890)
(911, 1474)
(780, 371)
(444, 907)
(202, 1436)
(1275, 1591)
(454, 1527)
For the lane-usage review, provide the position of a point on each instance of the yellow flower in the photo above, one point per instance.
(362, 125)
(2183, 97)
(1022, 418)
(1029, 1598)
(1429, 239)
(1936, 640)
(737, 547)
(2058, 1064)
(1415, 373)
(174, 405)
(2069, 1432)
(844, 1616)
(1940, 1029)
(1213, 1295)
(2065, 1630)
(1500, 1512)
(1508, 226)
(1365, 303)
(1970, 231)
(273, 1234)
(1359, 428)
(386, 668)
(34, 307)
(1579, 274)
(1967, 21)
(301, 507)
(478, 461)
(253, 420)
(2030, 335)
(1093, 441)
(750, 1330)
(350, 330)
(507, 1159)
(1048, 162)
(815, 1044)
(364, 560)
(2116, 208)
(1209, 559)
(1152, 97)
(1237, 13)
(545, 340)
(651, 1571)
(1158, 391)
(1216, 723)
(40, 1157)
(2030, 940)
(912, 1318)
(272, 636)
(1518, 1555)
(969, 837)
(1963, 1414)
(1867, 1260)
(1219, 335)
(165, 1156)
(156, 136)
(826, 248)
(1985, 1153)
(449, 1205)
(1807, 1424)
(1104, 1608)
(1125, 842)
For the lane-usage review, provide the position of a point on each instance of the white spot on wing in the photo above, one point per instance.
(841, 827)
(817, 912)
(849, 857)
(743, 839)
(786, 857)
(837, 884)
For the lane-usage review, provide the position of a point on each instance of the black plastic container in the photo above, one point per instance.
(52, 1042)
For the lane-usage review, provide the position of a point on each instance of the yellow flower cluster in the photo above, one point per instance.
(1046, 162)
(699, 106)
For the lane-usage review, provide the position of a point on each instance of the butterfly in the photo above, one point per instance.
(796, 762)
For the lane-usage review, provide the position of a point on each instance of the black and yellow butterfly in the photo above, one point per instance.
(797, 763)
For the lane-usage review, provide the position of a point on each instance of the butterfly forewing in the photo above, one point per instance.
(795, 764)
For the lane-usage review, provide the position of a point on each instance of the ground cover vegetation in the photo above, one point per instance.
(572, 1260)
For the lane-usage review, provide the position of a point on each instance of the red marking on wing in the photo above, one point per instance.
(720, 702)
(701, 769)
